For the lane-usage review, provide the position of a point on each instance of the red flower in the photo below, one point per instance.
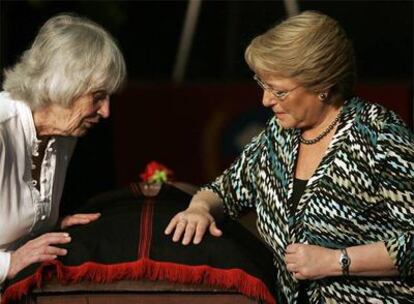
(156, 173)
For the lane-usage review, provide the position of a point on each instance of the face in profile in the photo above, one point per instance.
(293, 105)
(85, 112)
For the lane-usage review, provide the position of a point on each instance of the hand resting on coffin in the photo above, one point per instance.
(38, 250)
(42, 248)
(200, 216)
(78, 219)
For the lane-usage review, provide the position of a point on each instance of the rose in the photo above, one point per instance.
(156, 173)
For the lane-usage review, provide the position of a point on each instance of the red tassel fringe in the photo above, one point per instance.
(144, 268)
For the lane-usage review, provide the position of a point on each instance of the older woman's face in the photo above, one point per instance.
(299, 108)
(85, 112)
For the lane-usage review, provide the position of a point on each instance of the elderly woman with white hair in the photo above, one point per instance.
(57, 91)
(331, 178)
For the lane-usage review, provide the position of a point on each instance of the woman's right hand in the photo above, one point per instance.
(38, 250)
(191, 224)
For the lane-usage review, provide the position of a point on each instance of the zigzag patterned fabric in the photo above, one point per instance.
(362, 192)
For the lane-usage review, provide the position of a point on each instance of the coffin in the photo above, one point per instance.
(125, 257)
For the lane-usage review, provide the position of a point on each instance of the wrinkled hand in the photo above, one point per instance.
(38, 250)
(310, 262)
(192, 224)
(78, 219)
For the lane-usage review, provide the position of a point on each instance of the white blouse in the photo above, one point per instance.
(24, 210)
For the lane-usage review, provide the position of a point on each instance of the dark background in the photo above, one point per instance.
(149, 31)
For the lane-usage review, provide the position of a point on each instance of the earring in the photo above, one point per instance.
(323, 96)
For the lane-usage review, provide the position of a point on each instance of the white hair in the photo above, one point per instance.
(70, 56)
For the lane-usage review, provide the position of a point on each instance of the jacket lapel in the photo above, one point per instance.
(346, 122)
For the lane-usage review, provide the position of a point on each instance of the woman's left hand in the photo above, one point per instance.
(78, 219)
(310, 262)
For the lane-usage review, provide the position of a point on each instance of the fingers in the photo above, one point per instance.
(289, 259)
(49, 238)
(90, 216)
(296, 271)
(51, 250)
(38, 250)
(42, 244)
(191, 226)
(299, 276)
(190, 230)
(43, 258)
(294, 253)
(292, 267)
(171, 225)
(46, 253)
(79, 219)
(306, 261)
(214, 230)
(292, 248)
(200, 231)
(179, 229)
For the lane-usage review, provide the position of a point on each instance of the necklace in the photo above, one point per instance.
(323, 134)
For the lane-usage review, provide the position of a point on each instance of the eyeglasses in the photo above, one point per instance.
(280, 95)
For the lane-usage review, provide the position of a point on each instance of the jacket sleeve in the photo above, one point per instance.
(4, 265)
(396, 150)
(235, 185)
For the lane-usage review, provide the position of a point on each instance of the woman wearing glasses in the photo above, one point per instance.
(56, 92)
(331, 177)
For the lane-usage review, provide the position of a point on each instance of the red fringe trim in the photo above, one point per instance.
(235, 279)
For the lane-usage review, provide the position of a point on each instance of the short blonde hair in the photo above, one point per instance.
(310, 47)
(70, 56)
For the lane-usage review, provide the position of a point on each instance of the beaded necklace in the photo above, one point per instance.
(323, 134)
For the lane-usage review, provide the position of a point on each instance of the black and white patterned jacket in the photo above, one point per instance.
(362, 192)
